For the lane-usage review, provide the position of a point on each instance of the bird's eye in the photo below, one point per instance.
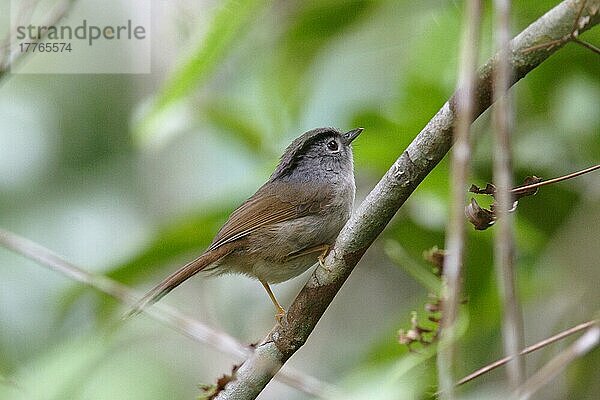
(332, 145)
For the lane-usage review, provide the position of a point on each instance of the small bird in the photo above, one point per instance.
(289, 224)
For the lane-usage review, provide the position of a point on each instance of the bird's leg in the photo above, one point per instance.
(280, 310)
(322, 249)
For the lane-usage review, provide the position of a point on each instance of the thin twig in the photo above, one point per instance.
(526, 188)
(587, 45)
(571, 36)
(546, 45)
(161, 312)
(504, 260)
(461, 156)
(544, 375)
(527, 350)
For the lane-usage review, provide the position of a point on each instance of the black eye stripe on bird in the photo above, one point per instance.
(290, 222)
(307, 141)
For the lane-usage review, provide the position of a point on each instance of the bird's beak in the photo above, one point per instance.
(351, 135)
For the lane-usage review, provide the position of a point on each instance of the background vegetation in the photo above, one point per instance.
(131, 175)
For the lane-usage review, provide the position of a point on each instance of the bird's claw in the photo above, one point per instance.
(281, 317)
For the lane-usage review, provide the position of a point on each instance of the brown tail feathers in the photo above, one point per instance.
(175, 279)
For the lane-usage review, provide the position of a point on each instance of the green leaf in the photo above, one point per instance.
(186, 237)
(311, 27)
(421, 274)
(225, 28)
(382, 141)
(231, 119)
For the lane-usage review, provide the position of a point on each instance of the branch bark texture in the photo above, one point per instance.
(375, 212)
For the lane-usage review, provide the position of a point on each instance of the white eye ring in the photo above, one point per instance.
(332, 145)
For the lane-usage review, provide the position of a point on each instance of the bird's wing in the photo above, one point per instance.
(271, 204)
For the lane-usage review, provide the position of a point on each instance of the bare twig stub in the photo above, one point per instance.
(371, 217)
(586, 8)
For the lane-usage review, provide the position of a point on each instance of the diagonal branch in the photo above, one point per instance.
(529, 349)
(543, 376)
(371, 217)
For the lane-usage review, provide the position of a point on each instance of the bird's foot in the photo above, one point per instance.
(322, 256)
(281, 317)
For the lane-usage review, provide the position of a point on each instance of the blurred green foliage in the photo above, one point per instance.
(262, 73)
